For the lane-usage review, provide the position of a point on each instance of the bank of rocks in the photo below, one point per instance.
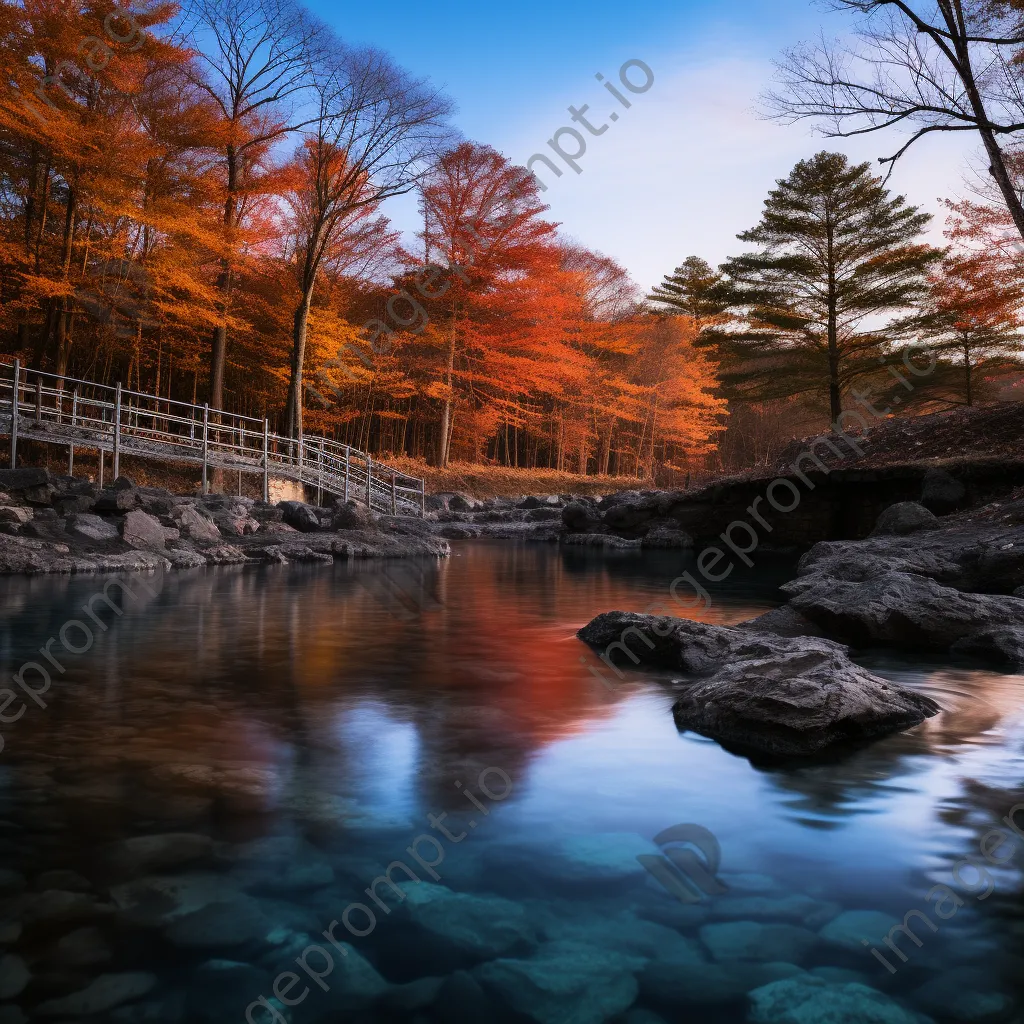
(950, 586)
(789, 512)
(617, 522)
(59, 524)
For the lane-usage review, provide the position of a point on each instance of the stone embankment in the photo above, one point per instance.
(59, 524)
(948, 585)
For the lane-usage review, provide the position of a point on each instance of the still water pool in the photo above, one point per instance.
(196, 826)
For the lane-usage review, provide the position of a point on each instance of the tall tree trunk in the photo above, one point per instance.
(968, 374)
(835, 395)
(300, 325)
(605, 457)
(54, 337)
(444, 444)
(219, 342)
(997, 162)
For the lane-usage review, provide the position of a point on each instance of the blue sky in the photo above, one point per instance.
(688, 165)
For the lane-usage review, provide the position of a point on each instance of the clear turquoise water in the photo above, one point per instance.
(335, 708)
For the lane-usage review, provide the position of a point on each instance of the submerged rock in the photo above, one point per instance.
(280, 864)
(84, 947)
(104, 993)
(221, 989)
(852, 927)
(805, 998)
(676, 984)
(141, 855)
(627, 934)
(460, 1000)
(762, 693)
(598, 859)
(752, 940)
(467, 926)
(564, 983)
(965, 993)
(14, 976)
(231, 921)
(794, 908)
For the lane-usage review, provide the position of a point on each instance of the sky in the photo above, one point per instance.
(689, 164)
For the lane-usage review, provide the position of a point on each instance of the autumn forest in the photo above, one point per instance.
(191, 203)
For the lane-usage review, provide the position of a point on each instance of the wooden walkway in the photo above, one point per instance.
(78, 414)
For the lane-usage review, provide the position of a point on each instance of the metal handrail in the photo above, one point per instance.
(193, 433)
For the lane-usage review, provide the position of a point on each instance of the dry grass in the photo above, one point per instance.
(484, 481)
(478, 480)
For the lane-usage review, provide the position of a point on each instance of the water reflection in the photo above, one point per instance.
(343, 703)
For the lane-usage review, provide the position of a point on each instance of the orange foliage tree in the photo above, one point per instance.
(175, 179)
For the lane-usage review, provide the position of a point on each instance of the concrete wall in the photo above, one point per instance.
(285, 490)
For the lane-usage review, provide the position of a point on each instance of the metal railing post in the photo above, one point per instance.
(74, 417)
(423, 499)
(206, 442)
(300, 458)
(394, 494)
(14, 412)
(39, 400)
(348, 453)
(266, 460)
(117, 431)
(320, 474)
(369, 481)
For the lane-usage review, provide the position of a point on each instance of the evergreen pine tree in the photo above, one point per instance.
(693, 289)
(840, 263)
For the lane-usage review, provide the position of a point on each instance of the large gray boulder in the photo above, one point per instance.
(350, 515)
(300, 516)
(763, 694)
(631, 512)
(859, 561)
(941, 492)
(143, 531)
(904, 610)
(194, 525)
(15, 480)
(116, 499)
(92, 528)
(1003, 646)
(580, 516)
(903, 518)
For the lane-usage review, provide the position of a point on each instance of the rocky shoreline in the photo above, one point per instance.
(59, 524)
(784, 684)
